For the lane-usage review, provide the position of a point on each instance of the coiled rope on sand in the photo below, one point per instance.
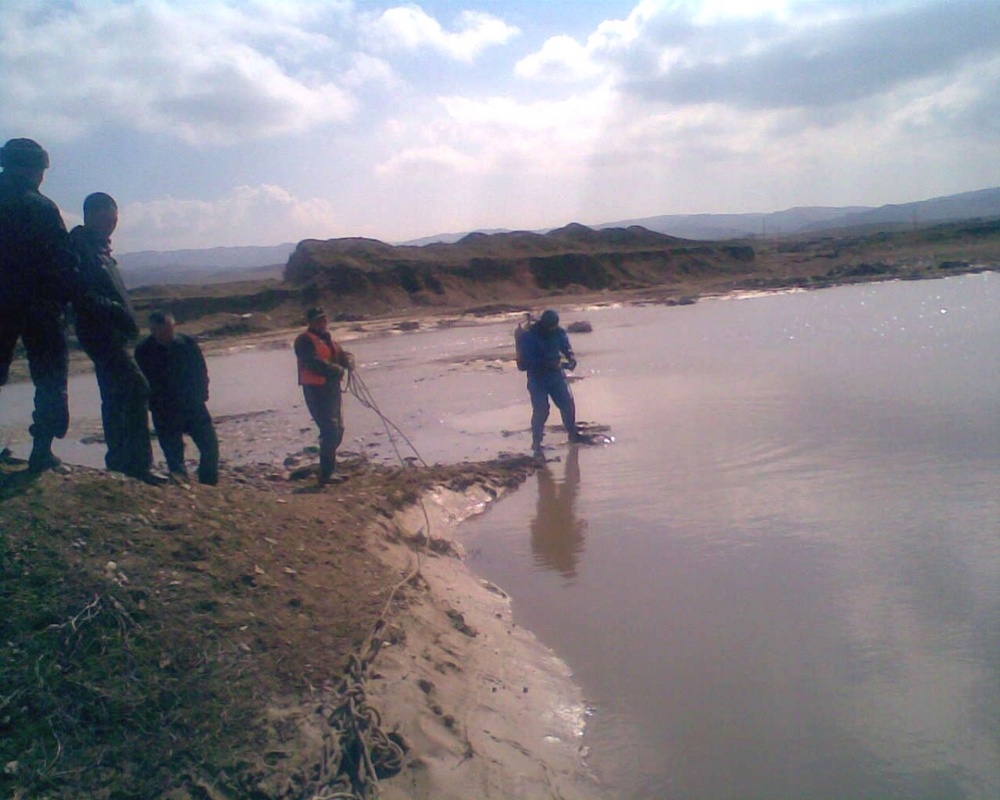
(357, 752)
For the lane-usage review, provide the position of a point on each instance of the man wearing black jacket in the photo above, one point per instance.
(105, 323)
(178, 380)
(37, 280)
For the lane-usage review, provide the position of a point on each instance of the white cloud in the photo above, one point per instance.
(561, 58)
(774, 53)
(706, 11)
(369, 70)
(680, 105)
(208, 73)
(427, 159)
(411, 28)
(780, 90)
(500, 135)
(248, 215)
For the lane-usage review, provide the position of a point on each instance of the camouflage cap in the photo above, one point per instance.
(24, 153)
(315, 313)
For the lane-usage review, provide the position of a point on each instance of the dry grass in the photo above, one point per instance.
(148, 634)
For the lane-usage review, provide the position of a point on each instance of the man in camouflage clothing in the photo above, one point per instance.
(37, 280)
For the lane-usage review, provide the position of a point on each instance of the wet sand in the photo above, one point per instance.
(488, 710)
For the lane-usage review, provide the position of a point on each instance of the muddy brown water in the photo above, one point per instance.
(780, 580)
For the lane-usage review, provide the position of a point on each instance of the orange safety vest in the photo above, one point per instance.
(324, 352)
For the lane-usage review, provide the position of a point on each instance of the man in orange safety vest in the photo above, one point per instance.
(322, 363)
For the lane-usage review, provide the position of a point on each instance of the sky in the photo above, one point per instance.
(224, 123)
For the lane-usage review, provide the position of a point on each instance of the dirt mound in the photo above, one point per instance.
(359, 278)
(483, 268)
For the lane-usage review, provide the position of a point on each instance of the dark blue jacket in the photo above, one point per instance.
(541, 349)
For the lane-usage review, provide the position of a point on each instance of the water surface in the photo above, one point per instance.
(782, 580)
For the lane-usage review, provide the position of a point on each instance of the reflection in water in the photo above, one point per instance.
(556, 533)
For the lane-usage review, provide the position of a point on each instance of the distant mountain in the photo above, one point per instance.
(229, 264)
(739, 226)
(450, 238)
(211, 265)
(984, 203)
(950, 208)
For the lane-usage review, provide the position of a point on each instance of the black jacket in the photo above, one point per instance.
(104, 316)
(177, 374)
(36, 262)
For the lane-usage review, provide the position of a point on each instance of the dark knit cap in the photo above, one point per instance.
(23, 153)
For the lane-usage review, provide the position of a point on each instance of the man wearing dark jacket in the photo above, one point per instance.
(105, 323)
(37, 280)
(178, 380)
(322, 362)
(542, 349)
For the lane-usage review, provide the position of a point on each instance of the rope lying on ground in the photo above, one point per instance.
(358, 753)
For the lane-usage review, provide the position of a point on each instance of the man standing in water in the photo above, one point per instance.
(322, 362)
(105, 323)
(37, 280)
(178, 381)
(541, 350)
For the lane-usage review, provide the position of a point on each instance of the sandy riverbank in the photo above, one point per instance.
(492, 712)
(485, 710)
(192, 639)
(489, 710)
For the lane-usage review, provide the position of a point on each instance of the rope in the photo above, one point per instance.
(356, 386)
(358, 753)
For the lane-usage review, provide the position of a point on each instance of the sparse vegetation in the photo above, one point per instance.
(149, 636)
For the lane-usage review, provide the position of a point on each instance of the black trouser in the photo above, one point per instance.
(324, 404)
(124, 411)
(196, 422)
(41, 328)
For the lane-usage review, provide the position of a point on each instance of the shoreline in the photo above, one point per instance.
(265, 575)
(489, 711)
